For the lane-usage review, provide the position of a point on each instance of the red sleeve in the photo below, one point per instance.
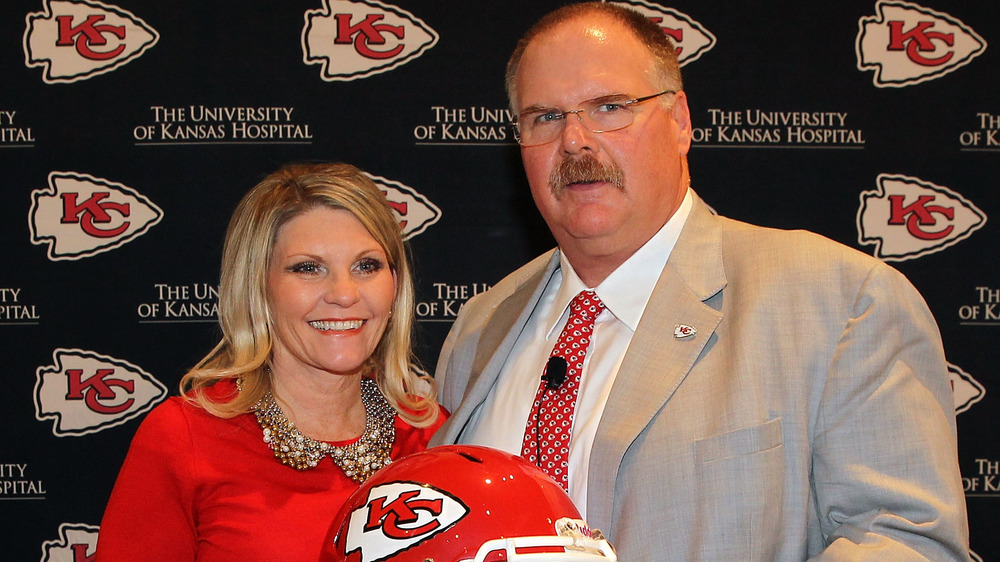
(150, 514)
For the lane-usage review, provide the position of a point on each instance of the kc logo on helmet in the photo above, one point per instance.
(907, 218)
(79, 215)
(908, 44)
(414, 211)
(691, 38)
(86, 392)
(399, 516)
(357, 39)
(79, 39)
(77, 542)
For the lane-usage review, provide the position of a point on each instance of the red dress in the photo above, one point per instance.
(198, 487)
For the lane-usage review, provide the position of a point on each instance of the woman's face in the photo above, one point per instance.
(330, 292)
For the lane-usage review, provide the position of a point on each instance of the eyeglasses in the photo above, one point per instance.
(600, 115)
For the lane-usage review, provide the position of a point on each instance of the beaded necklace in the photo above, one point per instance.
(358, 460)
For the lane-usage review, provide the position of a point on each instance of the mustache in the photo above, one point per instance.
(585, 169)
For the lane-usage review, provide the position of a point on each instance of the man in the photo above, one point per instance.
(746, 393)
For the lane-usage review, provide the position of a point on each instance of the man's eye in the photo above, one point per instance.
(610, 107)
(547, 117)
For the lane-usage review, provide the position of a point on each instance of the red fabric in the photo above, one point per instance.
(197, 487)
(550, 424)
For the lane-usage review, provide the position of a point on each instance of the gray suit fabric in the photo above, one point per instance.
(810, 416)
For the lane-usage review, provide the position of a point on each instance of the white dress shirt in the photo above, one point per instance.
(500, 421)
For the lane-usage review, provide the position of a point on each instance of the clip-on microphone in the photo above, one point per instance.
(554, 377)
(555, 372)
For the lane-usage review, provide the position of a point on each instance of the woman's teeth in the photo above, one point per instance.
(336, 325)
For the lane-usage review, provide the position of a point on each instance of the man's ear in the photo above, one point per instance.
(682, 116)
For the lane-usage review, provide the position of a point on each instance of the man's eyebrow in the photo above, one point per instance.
(609, 97)
(536, 108)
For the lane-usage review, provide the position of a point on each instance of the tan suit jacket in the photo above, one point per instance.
(810, 415)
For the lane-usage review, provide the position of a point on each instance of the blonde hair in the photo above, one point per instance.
(244, 353)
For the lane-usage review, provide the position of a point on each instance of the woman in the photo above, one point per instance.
(310, 391)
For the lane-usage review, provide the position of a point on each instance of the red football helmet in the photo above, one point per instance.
(460, 503)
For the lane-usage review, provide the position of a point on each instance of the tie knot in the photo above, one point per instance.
(586, 305)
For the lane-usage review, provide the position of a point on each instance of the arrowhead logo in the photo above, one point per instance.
(399, 516)
(414, 211)
(906, 218)
(77, 541)
(357, 39)
(682, 331)
(691, 38)
(907, 44)
(78, 39)
(86, 392)
(79, 215)
(967, 390)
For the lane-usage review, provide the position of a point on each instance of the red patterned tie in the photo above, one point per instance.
(550, 425)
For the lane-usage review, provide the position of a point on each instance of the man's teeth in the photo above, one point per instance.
(336, 325)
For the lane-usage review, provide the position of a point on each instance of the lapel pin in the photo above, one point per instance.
(684, 331)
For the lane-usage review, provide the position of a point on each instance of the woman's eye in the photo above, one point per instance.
(305, 267)
(369, 265)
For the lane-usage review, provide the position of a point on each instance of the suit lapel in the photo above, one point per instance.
(657, 361)
(499, 334)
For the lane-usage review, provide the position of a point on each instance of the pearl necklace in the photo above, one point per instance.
(359, 460)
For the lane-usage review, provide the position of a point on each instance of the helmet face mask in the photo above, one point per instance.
(575, 543)
(461, 503)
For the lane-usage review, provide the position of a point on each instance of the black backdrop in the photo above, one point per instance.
(124, 148)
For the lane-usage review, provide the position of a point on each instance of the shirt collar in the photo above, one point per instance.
(627, 290)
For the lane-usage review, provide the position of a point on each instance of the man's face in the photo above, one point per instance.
(591, 217)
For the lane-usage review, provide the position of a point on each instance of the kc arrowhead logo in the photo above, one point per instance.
(691, 38)
(86, 392)
(414, 211)
(77, 541)
(907, 218)
(399, 516)
(79, 215)
(966, 390)
(357, 39)
(907, 44)
(79, 39)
